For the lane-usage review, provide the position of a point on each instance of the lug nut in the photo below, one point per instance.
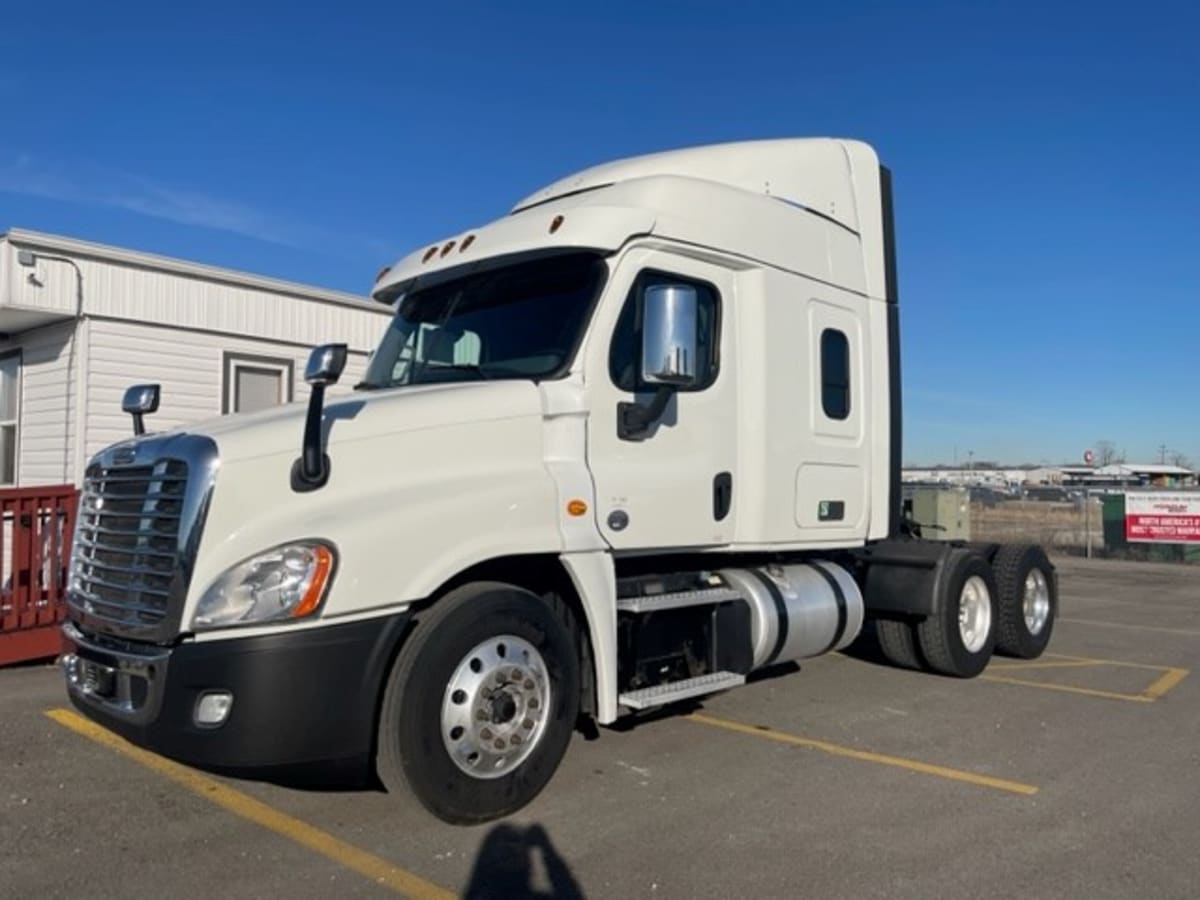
(486, 734)
(527, 724)
(533, 702)
(528, 685)
(516, 740)
(517, 674)
(499, 744)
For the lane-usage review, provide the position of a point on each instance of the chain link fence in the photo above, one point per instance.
(1088, 524)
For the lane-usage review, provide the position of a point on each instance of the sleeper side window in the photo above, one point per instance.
(835, 373)
(626, 347)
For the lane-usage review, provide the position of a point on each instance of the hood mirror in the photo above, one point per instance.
(140, 400)
(325, 364)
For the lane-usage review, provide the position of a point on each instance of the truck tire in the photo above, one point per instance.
(898, 643)
(1027, 600)
(480, 703)
(959, 638)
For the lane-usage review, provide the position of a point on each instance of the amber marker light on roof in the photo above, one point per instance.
(449, 246)
(467, 242)
(555, 224)
(382, 272)
(429, 254)
(576, 508)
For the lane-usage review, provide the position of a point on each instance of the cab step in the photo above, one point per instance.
(662, 694)
(676, 600)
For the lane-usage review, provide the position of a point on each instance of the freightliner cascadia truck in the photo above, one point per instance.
(624, 446)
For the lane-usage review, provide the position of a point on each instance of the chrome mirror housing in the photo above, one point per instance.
(670, 337)
(325, 364)
(140, 400)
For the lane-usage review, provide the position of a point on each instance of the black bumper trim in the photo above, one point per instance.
(299, 697)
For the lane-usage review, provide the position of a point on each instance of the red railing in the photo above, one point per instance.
(36, 525)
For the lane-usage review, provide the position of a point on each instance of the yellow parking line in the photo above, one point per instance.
(1191, 632)
(1062, 661)
(900, 762)
(1070, 689)
(1077, 664)
(1165, 682)
(377, 869)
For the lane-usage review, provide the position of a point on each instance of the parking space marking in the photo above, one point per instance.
(1073, 664)
(1063, 661)
(370, 866)
(1189, 632)
(1165, 682)
(1169, 676)
(900, 762)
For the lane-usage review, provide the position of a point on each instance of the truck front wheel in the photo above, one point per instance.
(480, 704)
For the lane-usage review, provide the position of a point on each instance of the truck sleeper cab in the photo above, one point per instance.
(622, 447)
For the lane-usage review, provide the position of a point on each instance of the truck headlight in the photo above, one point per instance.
(286, 582)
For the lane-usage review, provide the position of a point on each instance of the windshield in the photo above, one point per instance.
(520, 321)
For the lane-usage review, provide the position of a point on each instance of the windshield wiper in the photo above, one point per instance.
(453, 367)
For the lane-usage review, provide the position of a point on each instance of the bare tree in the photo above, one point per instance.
(1106, 453)
(1181, 460)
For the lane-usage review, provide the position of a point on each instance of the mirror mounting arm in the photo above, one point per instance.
(634, 419)
(311, 469)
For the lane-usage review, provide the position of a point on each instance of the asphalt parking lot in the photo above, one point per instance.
(1075, 776)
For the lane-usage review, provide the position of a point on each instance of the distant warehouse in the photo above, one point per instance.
(80, 322)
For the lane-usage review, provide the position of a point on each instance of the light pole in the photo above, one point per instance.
(29, 260)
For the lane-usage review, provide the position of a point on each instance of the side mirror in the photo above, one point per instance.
(140, 400)
(325, 364)
(670, 337)
(670, 346)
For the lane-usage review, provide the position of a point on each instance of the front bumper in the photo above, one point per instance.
(299, 696)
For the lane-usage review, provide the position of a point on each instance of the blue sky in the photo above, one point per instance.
(1045, 160)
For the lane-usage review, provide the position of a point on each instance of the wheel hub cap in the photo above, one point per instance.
(974, 614)
(1035, 603)
(495, 707)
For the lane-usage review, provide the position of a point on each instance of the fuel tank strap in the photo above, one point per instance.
(781, 613)
(839, 597)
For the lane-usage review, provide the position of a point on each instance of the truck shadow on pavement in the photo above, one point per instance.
(516, 861)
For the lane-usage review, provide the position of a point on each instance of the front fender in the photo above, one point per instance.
(406, 513)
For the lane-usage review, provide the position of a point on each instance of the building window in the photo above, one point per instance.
(10, 414)
(255, 382)
(835, 374)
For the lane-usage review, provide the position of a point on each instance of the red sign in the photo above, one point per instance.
(1088, 456)
(1167, 518)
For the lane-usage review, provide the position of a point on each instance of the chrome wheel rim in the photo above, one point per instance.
(495, 707)
(974, 614)
(1035, 603)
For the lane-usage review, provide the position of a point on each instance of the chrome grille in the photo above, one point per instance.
(126, 561)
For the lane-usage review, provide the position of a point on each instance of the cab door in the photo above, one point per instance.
(672, 484)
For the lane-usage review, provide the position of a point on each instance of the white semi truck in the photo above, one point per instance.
(624, 446)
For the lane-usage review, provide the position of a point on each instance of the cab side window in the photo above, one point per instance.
(626, 347)
(835, 374)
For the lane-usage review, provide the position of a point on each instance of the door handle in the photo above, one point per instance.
(722, 495)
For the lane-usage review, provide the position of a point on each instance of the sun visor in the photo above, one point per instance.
(553, 226)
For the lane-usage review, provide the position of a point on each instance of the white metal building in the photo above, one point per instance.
(80, 322)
